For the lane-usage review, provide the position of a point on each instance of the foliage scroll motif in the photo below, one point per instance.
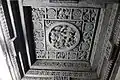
(63, 36)
(77, 21)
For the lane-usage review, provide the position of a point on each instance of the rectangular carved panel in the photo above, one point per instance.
(65, 74)
(46, 78)
(64, 33)
(64, 65)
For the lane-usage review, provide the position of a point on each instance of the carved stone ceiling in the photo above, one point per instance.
(64, 33)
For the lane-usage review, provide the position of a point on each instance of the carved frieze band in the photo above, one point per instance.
(116, 30)
(108, 50)
(108, 46)
(63, 33)
(10, 53)
(64, 65)
(46, 78)
(48, 73)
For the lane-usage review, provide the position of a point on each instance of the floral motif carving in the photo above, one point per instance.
(39, 39)
(63, 13)
(77, 14)
(89, 15)
(39, 35)
(38, 13)
(51, 13)
(87, 36)
(83, 22)
(38, 25)
(88, 27)
(41, 54)
(83, 55)
(63, 36)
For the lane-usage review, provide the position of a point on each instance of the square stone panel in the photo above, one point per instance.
(64, 33)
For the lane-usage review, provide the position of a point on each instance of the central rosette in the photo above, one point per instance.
(63, 36)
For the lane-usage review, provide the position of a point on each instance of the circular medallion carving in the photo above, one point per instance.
(63, 36)
(88, 27)
(77, 14)
(51, 13)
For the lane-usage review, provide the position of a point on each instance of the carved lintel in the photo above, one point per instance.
(71, 74)
(46, 78)
(64, 65)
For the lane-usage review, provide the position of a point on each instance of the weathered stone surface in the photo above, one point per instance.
(46, 78)
(64, 33)
(83, 3)
(62, 65)
(65, 74)
(62, 36)
(78, 3)
(55, 78)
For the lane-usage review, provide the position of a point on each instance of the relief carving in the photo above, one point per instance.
(41, 54)
(39, 39)
(51, 13)
(38, 13)
(116, 30)
(63, 13)
(10, 55)
(63, 36)
(89, 15)
(64, 65)
(38, 78)
(46, 78)
(77, 14)
(88, 27)
(54, 35)
(108, 50)
(71, 74)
